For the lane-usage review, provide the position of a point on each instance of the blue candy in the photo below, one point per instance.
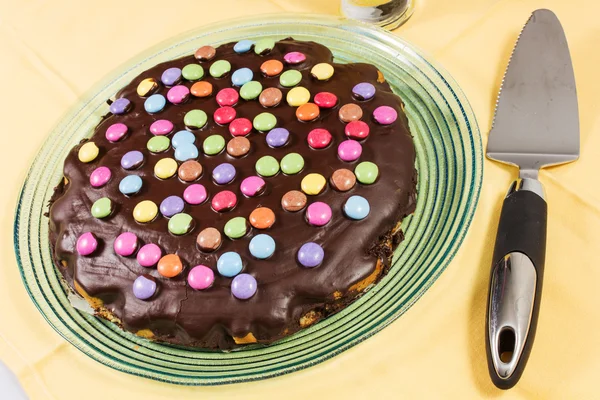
(243, 46)
(186, 151)
(241, 76)
(262, 246)
(155, 103)
(182, 137)
(131, 184)
(357, 207)
(230, 264)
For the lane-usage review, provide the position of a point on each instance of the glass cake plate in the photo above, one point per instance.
(450, 165)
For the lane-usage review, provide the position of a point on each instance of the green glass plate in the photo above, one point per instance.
(449, 161)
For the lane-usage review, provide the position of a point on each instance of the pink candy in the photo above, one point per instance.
(294, 57)
(201, 277)
(178, 94)
(161, 127)
(149, 255)
(125, 244)
(385, 115)
(87, 244)
(195, 194)
(349, 150)
(318, 213)
(100, 177)
(115, 132)
(252, 185)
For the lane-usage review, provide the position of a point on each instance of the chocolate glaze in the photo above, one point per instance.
(286, 291)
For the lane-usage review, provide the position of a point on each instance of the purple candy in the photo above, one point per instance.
(120, 106)
(363, 91)
(223, 173)
(144, 287)
(243, 286)
(171, 205)
(171, 76)
(132, 159)
(310, 255)
(278, 137)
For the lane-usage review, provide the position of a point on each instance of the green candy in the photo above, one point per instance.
(158, 144)
(250, 90)
(267, 166)
(180, 224)
(192, 72)
(264, 122)
(290, 78)
(366, 172)
(195, 119)
(213, 144)
(219, 68)
(292, 163)
(263, 46)
(102, 207)
(236, 227)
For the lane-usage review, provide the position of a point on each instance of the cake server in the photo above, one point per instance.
(536, 124)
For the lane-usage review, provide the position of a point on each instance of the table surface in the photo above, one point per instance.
(437, 348)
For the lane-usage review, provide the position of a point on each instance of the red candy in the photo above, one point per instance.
(357, 129)
(224, 115)
(319, 138)
(227, 97)
(224, 201)
(240, 127)
(325, 99)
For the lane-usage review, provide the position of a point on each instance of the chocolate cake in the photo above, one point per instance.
(236, 195)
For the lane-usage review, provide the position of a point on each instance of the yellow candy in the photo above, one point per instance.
(147, 87)
(165, 168)
(298, 96)
(313, 184)
(145, 211)
(322, 71)
(88, 152)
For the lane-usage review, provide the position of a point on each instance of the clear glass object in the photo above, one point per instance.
(388, 14)
(449, 161)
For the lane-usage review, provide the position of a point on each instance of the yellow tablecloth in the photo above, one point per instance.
(53, 51)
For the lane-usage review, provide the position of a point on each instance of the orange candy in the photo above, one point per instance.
(307, 112)
(262, 218)
(170, 266)
(201, 89)
(271, 67)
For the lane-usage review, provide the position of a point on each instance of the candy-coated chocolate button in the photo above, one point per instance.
(278, 137)
(271, 67)
(192, 72)
(219, 68)
(357, 130)
(326, 100)
(298, 96)
(224, 201)
(131, 184)
(357, 207)
(319, 138)
(294, 57)
(87, 244)
(318, 213)
(227, 97)
(343, 179)
(236, 227)
(363, 91)
(290, 78)
(213, 144)
(170, 265)
(224, 115)
(146, 87)
(171, 76)
(251, 90)
(313, 184)
(243, 46)
(292, 163)
(293, 201)
(350, 112)
(262, 246)
(178, 94)
(385, 115)
(264, 122)
(180, 224)
(264, 46)
(195, 119)
(116, 132)
(230, 264)
(183, 137)
(270, 97)
(88, 152)
(205, 53)
(148, 255)
(125, 244)
(155, 103)
(161, 127)
(307, 112)
(240, 127)
(209, 239)
(243, 286)
(200, 277)
(165, 168)
(223, 173)
(238, 147)
(195, 194)
(252, 186)
(132, 159)
(189, 171)
(366, 172)
(322, 71)
(310, 255)
(262, 218)
(120, 106)
(102, 208)
(186, 152)
(267, 166)
(145, 211)
(100, 177)
(201, 89)
(241, 76)
(349, 150)
(144, 287)
(171, 205)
